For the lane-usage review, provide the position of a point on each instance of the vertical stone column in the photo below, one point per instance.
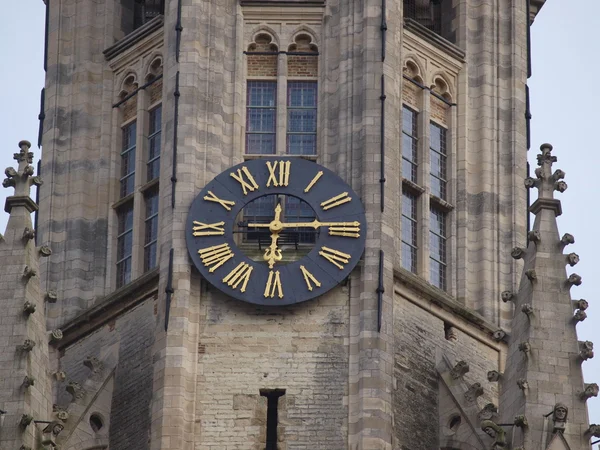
(493, 34)
(26, 395)
(205, 125)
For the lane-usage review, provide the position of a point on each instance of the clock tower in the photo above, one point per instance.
(287, 224)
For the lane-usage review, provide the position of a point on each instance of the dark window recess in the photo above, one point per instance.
(272, 415)
(146, 10)
(427, 12)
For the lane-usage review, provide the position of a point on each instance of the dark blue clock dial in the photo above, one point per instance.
(211, 226)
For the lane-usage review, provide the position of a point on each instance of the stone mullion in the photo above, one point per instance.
(451, 227)
(137, 260)
(461, 216)
(281, 121)
(423, 180)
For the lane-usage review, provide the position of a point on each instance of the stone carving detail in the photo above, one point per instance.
(560, 186)
(534, 236)
(51, 432)
(581, 304)
(45, 251)
(559, 417)
(56, 335)
(493, 376)
(574, 279)
(567, 239)
(579, 316)
(51, 296)
(531, 274)
(572, 259)
(495, 432)
(517, 253)
(530, 182)
(523, 384)
(586, 350)
(488, 412)
(24, 447)
(499, 335)
(521, 421)
(76, 390)
(26, 419)
(474, 391)
(558, 174)
(61, 414)
(60, 375)
(507, 296)
(591, 390)
(28, 308)
(525, 347)
(527, 309)
(28, 273)
(594, 430)
(27, 382)
(28, 234)
(94, 364)
(26, 346)
(452, 334)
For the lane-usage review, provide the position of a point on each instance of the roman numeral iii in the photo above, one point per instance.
(273, 285)
(279, 173)
(246, 180)
(215, 256)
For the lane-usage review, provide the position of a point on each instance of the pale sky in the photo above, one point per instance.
(564, 103)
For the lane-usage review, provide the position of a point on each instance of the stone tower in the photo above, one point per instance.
(420, 106)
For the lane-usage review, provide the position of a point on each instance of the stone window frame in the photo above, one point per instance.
(144, 190)
(281, 80)
(428, 94)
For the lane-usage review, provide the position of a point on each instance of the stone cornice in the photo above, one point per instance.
(546, 203)
(435, 39)
(133, 38)
(109, 307)
(445, 301)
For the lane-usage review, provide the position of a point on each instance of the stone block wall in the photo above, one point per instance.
(123, 345)
(302, 349)
(420, 347)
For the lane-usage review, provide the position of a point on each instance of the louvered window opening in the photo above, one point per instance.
(146, 10)
(426, 12)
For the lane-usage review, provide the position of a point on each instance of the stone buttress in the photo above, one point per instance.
(542, 389)
(26, 395)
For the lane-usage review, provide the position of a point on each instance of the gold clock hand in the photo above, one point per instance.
(314, 224)
(273, 253)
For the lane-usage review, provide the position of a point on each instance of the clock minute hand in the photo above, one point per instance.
(316, 224)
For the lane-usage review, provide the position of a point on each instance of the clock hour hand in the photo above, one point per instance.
(273, 253)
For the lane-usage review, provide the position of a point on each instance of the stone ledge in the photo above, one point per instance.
(445, 301)
(20, 200)
(434, 39)
(552, 204)
(109, 307)
(134, 37)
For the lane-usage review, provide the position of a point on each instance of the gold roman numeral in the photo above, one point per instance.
(250, 184)
(215, 256)
(273, 285)
(213, 229)
(335, 257)
(309, 278)
(313, 181)
(227, 204)
(279, 173)
(241, 273)
(336, 201)
(344, 231)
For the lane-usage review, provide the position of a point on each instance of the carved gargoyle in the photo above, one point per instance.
(493, 376)
(507, 296)
(474, 391)
(461, 368)
(591, 390)
(495, 432)
(586, 350)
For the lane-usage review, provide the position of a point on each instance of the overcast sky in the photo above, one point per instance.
(564, 103)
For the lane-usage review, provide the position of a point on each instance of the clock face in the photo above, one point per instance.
(334, 239)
